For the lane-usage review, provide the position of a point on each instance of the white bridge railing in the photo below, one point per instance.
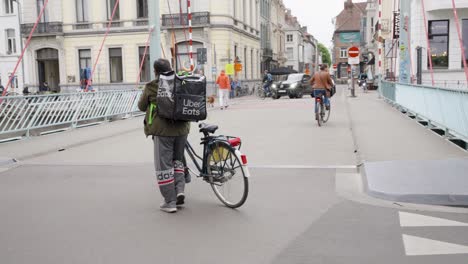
(25, 113)
(440, 107)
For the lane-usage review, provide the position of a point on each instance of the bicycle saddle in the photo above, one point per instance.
(206, 128)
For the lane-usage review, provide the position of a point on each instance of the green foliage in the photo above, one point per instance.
(326, 58)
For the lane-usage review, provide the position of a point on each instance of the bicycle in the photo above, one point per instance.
(255, 88)
(323, 113)
(222, 165)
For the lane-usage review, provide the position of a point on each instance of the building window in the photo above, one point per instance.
(289, 38)
(344, 53)
(245, 11)
(234, 8)
(115, 65)
(84, 58)
(9, 7)
(251, 13)
(183, 54)
(81, 10)
(45, 17)
(245, 62)
(465, 37)
(110, 9)
(146, 69)
(290, 53)
(14, 81)
(265, 8)
(142, 8)
(11, 41)
(439, 41)
(252, 64)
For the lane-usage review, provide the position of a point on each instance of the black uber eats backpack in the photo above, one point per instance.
(181, 98)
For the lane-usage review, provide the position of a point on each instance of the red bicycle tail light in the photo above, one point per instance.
(235, 142)
(244, 159)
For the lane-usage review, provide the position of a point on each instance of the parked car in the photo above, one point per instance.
(295, 86)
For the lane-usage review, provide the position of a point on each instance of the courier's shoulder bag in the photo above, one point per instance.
(190, 98)
(182, 98)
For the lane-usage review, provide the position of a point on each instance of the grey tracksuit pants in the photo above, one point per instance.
(170, 170)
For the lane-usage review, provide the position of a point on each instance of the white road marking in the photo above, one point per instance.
(418, 246)
(416, 220)
(302, 167)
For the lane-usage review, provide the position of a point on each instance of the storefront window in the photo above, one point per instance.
(439, 41)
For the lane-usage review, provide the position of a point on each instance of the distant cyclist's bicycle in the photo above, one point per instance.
(222, 165)
(322, 114)
(261, 93)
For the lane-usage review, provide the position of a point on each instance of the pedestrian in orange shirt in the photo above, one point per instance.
(224, 88)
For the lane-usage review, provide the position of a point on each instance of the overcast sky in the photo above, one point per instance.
(317, 16)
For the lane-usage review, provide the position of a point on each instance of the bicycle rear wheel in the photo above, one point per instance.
(318, 115)
(326, 114)
(226, 175)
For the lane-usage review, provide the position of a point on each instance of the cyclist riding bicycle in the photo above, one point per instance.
(322, 85)
(267, 82)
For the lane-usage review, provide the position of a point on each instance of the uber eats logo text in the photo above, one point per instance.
(163, 92)
(191, 108)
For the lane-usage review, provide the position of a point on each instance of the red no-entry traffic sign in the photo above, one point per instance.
(353, 52)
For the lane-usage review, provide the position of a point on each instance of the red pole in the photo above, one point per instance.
(462, 46)
(25, 47)
(428, 43)
(102, 44)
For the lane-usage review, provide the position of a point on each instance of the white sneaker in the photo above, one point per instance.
(168, 208)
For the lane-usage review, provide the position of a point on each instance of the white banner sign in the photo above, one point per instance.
(353, 61)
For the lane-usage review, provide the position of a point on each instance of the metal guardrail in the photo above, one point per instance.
(441, 107)
(26, 113)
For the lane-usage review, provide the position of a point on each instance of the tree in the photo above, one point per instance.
(326, 58)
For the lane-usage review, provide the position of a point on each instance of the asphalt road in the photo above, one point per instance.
(97, 202)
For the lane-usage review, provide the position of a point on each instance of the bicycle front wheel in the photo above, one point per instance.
(226, 175)
(261, 93)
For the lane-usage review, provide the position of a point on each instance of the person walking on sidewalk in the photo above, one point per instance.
(224, 88)
(169, 138)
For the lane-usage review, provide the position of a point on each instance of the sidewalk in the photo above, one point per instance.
(382, 133)
(404, 161)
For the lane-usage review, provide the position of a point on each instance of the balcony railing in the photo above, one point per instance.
(80, 26)
(114, 24)
(141, 22)
(48, 28)
(177, 20)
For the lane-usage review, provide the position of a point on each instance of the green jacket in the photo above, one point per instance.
(155, 125)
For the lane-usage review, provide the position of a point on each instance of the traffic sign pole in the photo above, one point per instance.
(353, 89)
(353, 54)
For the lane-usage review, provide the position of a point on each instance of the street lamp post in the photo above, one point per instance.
(21, 38)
